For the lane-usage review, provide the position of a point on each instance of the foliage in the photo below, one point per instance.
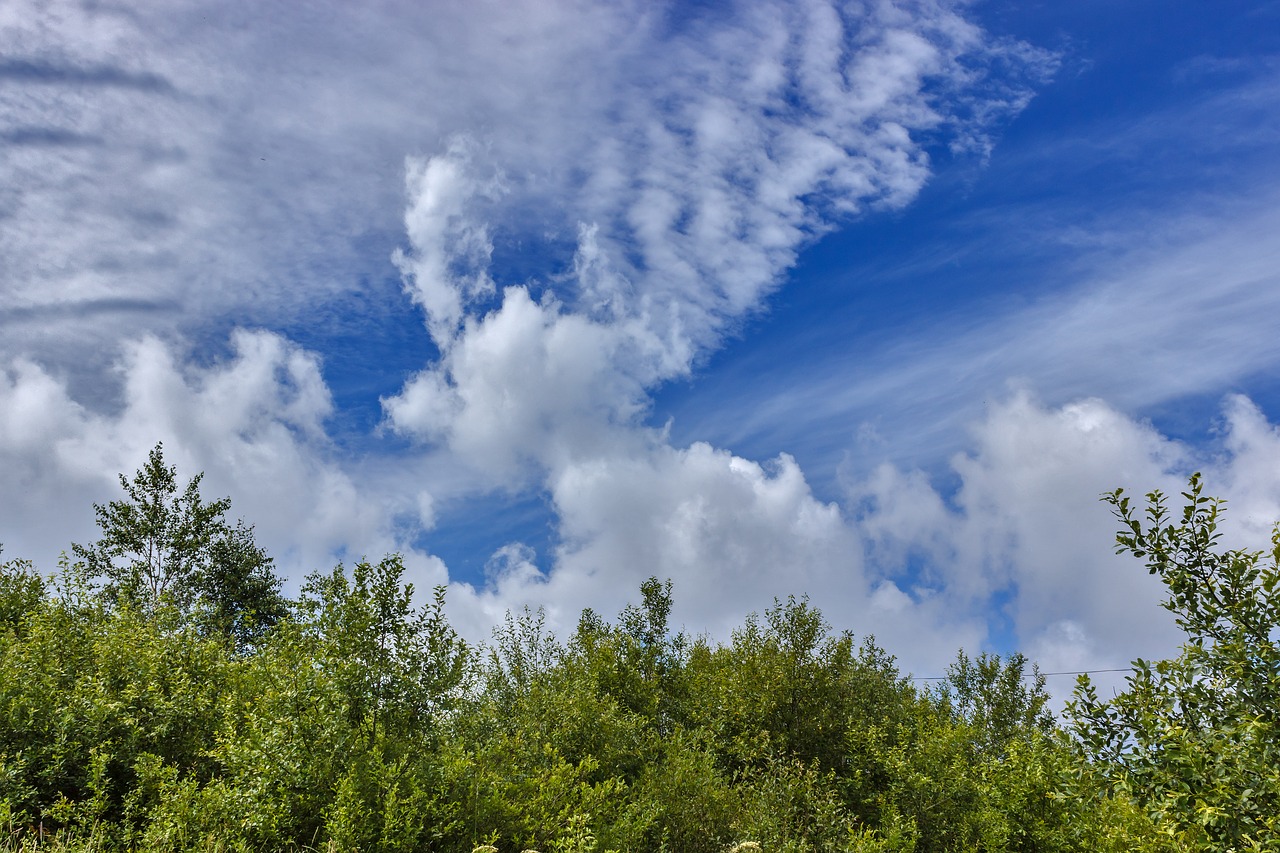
(154, 543)
(92, 704)
(1194, 739)
(161, 547)
(238, 593)
(398, 667)
(162, 713)
(21, 591)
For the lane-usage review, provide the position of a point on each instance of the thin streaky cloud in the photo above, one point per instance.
(29, 71)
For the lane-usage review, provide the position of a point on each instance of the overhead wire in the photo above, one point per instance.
(1027, 675)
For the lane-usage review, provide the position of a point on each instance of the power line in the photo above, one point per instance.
(1027, 675)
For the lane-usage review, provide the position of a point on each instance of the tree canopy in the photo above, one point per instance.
(161, 546)
(156, 708)
(1194, 739)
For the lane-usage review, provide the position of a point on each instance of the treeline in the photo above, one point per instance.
(161, 694)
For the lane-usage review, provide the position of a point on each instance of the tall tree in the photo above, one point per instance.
(156, 541)
(161, 545)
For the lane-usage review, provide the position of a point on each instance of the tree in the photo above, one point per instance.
(160, 546)
(155, 542)
(21, 591)
(1194, 739)
(995, 699)
(239, 593)
(401, 667)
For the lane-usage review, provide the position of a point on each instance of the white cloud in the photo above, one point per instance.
(253, 423)
(1025, 528)
(721, 157)
(1248, 471)
(1030, 500)
(528, 383)
(449, 265)
(730, 533)
(712, 162)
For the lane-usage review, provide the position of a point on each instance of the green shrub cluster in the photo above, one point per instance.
(357, 719)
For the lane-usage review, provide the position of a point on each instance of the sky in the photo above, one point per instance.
(864, 301)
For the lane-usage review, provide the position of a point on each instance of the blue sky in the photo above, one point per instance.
(864, 301)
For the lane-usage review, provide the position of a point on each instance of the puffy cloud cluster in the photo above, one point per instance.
(1025, 538)
(728, 147)
(1025, 531)
(252, 422)
(732, 534)
(725, 151)
(1016, 551)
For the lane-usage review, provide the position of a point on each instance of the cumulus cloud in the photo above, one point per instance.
(726, 149)
(721, 156)
(252, 422)
(1248, 470)
(1026, 524)
(733, 535)
(1013, 551)
(1025, 538)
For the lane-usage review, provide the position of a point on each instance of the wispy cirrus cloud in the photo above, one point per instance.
(229, 136)
(720, 165)
(1165, 320)
(39, 72)
(716, 162)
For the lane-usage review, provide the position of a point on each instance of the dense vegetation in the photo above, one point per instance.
(160, 694)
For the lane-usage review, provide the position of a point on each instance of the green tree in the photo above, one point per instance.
(21, 591)
(787, 687)
(238, 591)
(401, 667)
(1194, 739)
(161, 546)
(154, 543)
(994, 698)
